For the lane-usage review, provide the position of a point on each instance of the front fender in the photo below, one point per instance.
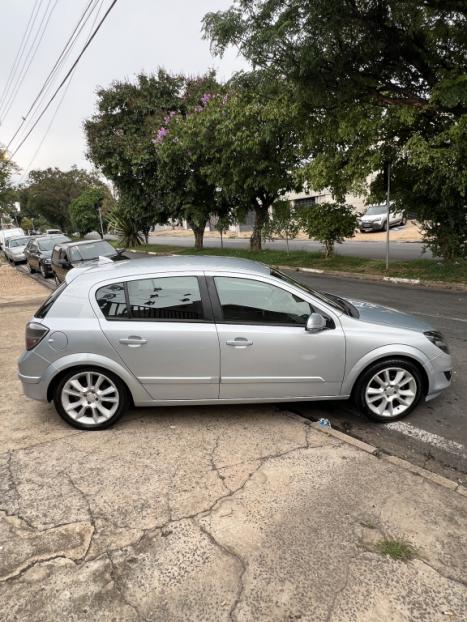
(138, 392)
(393, 350)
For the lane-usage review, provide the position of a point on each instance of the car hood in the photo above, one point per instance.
(46, 254)
(92, 262)
(377, 314)
(17, 250)
(368, 218)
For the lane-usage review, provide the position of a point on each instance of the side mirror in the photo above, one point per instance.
(315, 323)
(120, 250)
(64, 263)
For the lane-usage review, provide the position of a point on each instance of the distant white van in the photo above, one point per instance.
(9, 233)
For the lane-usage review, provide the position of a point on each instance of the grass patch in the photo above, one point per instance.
(396, 549)
(424, 269)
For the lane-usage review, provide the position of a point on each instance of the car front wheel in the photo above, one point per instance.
(30, 268)
(389, 390)
(44, 272)
(90, 398)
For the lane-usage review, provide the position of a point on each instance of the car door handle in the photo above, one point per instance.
(133, 341)
(239, 342)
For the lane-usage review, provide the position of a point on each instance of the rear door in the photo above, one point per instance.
(266, 353)
(163, 330)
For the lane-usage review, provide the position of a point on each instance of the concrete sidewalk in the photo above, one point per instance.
(240, 513)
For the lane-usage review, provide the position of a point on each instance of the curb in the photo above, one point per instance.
(435, 285)
(434, 478)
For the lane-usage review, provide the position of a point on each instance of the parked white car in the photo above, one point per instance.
(376, 216)
(9, 233)
(13, 248)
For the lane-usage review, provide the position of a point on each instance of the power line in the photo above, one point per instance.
(114, 2)
(58, 63)
(17, 60)
(65, 91)
(29, 58)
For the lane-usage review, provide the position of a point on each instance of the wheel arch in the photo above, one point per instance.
(404, 357)
(136, 392)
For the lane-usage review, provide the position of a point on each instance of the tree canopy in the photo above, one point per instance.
(48, 194)
(374, 81)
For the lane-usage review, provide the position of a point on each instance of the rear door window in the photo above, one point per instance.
(175, 298)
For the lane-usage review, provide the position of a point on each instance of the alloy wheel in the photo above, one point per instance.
(390, 392)
(90, 398)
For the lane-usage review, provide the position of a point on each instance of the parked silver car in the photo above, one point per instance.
(13, 248)
(375, 218)
(204, 330)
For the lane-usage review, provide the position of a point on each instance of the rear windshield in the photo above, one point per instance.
(47, 305)
(93, 250)
(47, 244)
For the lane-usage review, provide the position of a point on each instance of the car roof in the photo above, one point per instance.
(49, 237)
(170, 263)
(81, 242)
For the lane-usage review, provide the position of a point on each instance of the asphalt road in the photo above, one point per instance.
(368, 249)
(435, 435)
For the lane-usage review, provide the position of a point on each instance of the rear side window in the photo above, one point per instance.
(112, 301)
(176, 299)
(47, 305)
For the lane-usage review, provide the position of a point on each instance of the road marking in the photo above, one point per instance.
(438, 317)
(428, 437)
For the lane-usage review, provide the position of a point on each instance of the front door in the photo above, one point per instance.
(266, 353)
(162, 330)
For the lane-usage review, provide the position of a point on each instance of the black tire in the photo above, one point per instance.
(30, 268)
(404, 222)
(43, 271)
(123, 397)
(385, 226)
(360, 387)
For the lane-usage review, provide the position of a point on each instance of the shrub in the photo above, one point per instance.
(328, 223)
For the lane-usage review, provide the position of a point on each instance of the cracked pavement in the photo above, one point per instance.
(221, 513)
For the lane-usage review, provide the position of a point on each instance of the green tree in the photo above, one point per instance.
(120, 138)
(256, 145)
(329, 223)
(283, 223)
(85, 209)
(374, 81)
(185, 155)
(48, 194)
(8, 194)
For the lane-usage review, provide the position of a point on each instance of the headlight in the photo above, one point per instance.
(437, 339)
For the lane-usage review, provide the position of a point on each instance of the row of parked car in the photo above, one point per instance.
(54, 254)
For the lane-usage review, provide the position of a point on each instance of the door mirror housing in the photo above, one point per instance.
(316, 323)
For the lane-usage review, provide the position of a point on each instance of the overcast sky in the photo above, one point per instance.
(138, 35)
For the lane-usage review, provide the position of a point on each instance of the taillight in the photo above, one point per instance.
(34, 334)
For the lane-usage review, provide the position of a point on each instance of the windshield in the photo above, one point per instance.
(375, 210)
(330, 299)
(92, 251)
(47, 244)
(18, 242)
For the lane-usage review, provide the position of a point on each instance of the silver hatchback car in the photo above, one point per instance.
(208, 330)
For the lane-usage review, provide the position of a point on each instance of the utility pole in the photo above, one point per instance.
(388, 212)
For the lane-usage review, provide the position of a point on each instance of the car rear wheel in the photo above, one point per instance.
(90, 398)
(389, 390)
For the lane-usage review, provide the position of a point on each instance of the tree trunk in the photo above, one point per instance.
(199, 235)
(222, 239)
(329, 248)
(256, 237)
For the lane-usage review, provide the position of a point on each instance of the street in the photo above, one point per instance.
(435, 435)
(369, 249)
